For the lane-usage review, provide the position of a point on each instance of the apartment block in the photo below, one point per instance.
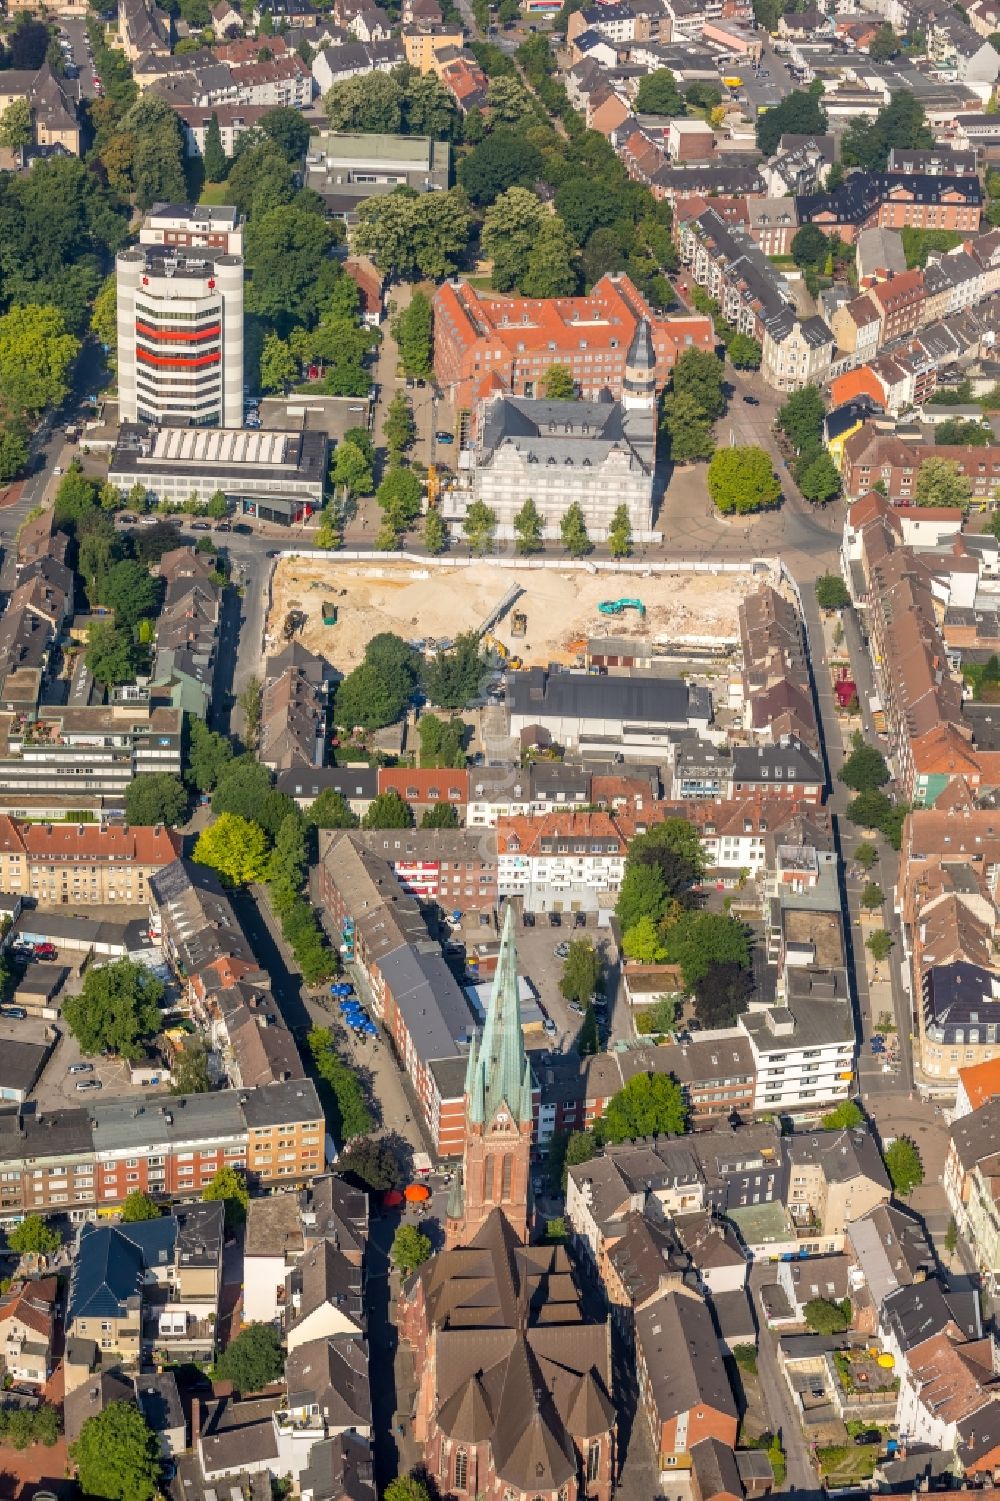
(82, 864)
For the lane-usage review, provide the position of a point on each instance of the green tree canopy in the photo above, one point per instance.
(118, 1455)
(620, 533)
(722, 994)
(846, 1115)
(799, 113)
(117, 1008)
(819, 480)
(399, 496)
(689, 430)
(941, 482)
(528, 524)
(558, 384)
(700, 374)
(371, 1163)
(810, 247)
(376, 692)
(741, 480)
(111, 655)
(442, 741)
(253, 1360)
(235, 848)
(208, 755)
(658, 94)
(831, 592)
(901, 124)
(453, 678)
(139, 1206)
(33, 1237)
(388, 811)
(824, 1316)
(155, 797)
(581, 971)
(479, 524)
(698, 940)
(903, 1164)
(36, 355)
(801, 417)
(501, 161)
(412, 330)
(573, 530)
(190, 1070)
(649, 1105)
(331, 811)
(412, 235)
(410, 1249)
(229, 1188)
(745, 353)
(865, 769)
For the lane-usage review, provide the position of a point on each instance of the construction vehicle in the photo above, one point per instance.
(494, 644)
(616, 606)
(518, 623)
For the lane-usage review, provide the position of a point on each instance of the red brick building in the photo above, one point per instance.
(424, 788)
(515, 339)
(900, 302)
(683, 1385)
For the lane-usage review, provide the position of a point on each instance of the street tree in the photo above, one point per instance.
(742, 480)
(479, 525)
(581, 971)
(701, 374)
(399, 495)
(951, 1237)
(528, 525)
(689, 430)
(117, 1455)
(648, 1105)
(234, 848)
(441, 816)
(866, 855)
(208, 754)
(410, 236)
(34, 1236)
(111, 655)
(410, 1249)
(573, 530)
(620, 533)
(253, 1360)
(745, 353)
(903, 1164)
(801, 418)
(352, 469)
(435, 533)
(832, 592)
(138, 1206)
(400, 428)
(251, 705)
(865, 769)
(819, 481)
(872, 897)
(371, 1163)
(879, 945)
(412, 330)
(279, 368)
(117, 1008)
(229, 1188)
(155, 797)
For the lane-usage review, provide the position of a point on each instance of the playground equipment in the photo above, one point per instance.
(616, 606)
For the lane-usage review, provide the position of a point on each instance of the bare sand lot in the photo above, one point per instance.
(437, 603)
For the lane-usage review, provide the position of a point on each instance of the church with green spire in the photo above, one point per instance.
(499, 1113)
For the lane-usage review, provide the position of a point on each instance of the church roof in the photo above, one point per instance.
(498, 1074)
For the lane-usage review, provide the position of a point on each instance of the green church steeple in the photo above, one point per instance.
(498, 1073)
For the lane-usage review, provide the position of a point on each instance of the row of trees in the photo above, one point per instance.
(800, 419)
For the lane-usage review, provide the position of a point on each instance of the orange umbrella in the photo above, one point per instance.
(416, 1193)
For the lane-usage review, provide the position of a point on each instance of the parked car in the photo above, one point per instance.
(13, 1013)
(201, 526)
(576, 1008)
(85, 1084)
(555, 921)
(528, 919)
(46, 951)
(549, 1027)
(22, 950)
(579, 919)
(444, 437)
(224, 526)
(80, 1068)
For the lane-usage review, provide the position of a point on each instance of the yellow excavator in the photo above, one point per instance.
(494, 644)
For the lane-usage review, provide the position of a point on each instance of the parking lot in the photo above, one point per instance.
(538, 962)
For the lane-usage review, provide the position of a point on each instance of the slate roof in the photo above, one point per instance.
(681, 1355)
(109, 1270)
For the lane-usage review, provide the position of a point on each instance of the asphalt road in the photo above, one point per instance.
(800, 1477)
(76, 30)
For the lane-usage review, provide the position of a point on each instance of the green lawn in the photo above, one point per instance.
(214, 192)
